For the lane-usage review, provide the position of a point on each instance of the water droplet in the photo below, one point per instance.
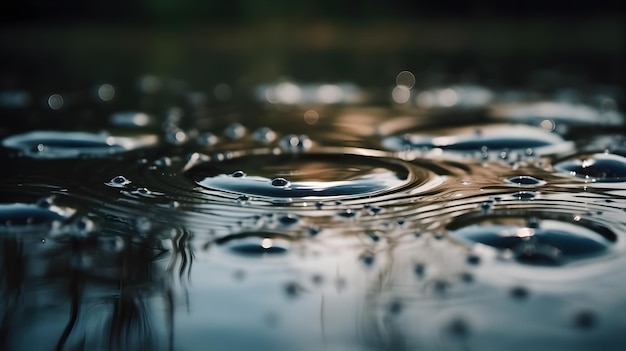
(288, 219)
(525, 180)
(347, 213)
(597, 168)
(51, 144)
(238, 174)
(281, 182)
(548, 243)
(524, 195)
(55, 101)
(243, 200)
(255, 243)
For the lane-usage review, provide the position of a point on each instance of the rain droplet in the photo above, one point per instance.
(525, 180)
(288, 219)
(281, 182)
(255, 244)
(238, 174)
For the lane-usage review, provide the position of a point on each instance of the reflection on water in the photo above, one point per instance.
(316, 224)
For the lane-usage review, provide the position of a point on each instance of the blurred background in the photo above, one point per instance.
(530, 43)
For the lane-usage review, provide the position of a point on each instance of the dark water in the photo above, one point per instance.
(313, 217)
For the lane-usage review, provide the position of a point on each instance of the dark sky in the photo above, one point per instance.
(164, 12)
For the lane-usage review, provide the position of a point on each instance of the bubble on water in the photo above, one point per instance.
(288, 219)
(238, 174)
(526, 181)
(311, 176)
(105, 92)
(255, 243)
(280, 182)
(295, 143)
(347, 213)
(524, 195)
(23, 216)
(596, 168)
(55, 101)
(235, 131)
(55, 144)
(545, 242)
(492, 141)
(243, 200)
(264, 135)
(405, 79)
(130, 119)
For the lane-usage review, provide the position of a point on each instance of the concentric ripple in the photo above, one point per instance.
(58, 144)
(596, 168)
(495, 139)
(307, 176)
(537, 241)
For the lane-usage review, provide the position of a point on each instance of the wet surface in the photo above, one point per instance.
(309, 217)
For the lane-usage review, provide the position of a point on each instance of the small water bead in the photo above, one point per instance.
(56, 145)
(255, 244)
(176, 136)
(524, 195)
(243, 200)
(238, 174)
(288, 219)
(143, 225)
(347, 213)
(526, 181)
(550, 242)
(118, 182)
(280, 182)
(597, 168)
